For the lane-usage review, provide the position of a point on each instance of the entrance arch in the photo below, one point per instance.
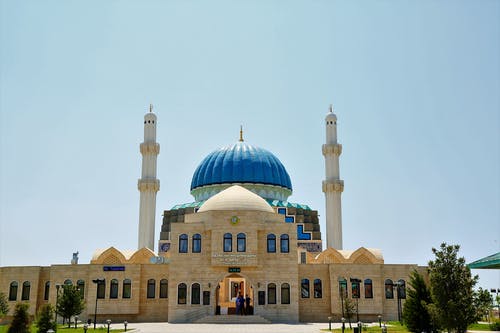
(228, 289)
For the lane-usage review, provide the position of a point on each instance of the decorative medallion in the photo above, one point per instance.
(235, 220)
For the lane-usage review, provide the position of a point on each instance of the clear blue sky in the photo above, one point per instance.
(415, 86)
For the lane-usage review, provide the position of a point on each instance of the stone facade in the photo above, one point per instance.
(217, 274)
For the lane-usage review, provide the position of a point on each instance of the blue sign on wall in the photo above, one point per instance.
(113, 268)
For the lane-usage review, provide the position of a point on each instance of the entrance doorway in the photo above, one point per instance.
(228, 290)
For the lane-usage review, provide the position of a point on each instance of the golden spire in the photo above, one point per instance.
(241, 133)
(150, 107)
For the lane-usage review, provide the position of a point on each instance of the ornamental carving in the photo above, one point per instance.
(333, 185)
(148, 185)
(150, 148)
(330, 149)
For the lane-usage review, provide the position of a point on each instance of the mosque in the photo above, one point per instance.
(240, 235)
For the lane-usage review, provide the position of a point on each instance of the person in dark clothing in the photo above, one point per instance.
(247, 305)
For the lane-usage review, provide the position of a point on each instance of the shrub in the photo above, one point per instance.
(21, 322)
(45, 319)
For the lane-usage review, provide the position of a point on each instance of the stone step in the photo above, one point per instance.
(233, 319)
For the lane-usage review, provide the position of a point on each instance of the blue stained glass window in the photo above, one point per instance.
(301, 235)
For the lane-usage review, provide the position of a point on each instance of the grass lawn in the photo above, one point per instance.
(395, 327)
(392, 327)
(65, 329)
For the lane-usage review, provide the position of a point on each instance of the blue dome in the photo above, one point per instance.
(241, 163)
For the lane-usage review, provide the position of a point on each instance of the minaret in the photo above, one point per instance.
(332, 185)
(148, 184)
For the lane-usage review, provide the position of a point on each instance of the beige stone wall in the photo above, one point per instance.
(20, 275)
(314, 309)
(210, 269)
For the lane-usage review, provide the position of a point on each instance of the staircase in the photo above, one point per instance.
(232, 319)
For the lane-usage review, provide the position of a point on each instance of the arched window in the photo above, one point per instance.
(389, 294)
(284, 243)
(285, 293)
(113, 289)
(271, 293)
(271, 243)
(80, 284)
(401, 289)
(355, 288)
(127, 288)
(163, 288)
(304, 288)
(368, 288)
(46, 291)
(241, 242)
(181, 293)
(13, 291)
(68, 282)
(195, 293)
(25, 295)
(228, 242)
(318, 289)
(183, 243)
(101, 289)
(151, 288)
(196, 243)
(343, 288)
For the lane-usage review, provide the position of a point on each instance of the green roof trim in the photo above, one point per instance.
(489, 262)
(273, 203)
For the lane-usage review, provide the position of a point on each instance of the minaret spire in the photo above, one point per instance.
(148, 185)
(332, 185)
(241, 133)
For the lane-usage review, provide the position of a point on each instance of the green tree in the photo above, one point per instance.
(4, 305)
(483, 302)
(452, 290)
(349, 309)
(415, 311)
(70, 303)
(45, 319)
(21, 321)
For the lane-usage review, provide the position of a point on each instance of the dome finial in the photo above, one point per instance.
(241, 133)
(150, 107)
(331, 108)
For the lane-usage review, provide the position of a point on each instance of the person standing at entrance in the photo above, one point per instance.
(247, 305)
(240, 304)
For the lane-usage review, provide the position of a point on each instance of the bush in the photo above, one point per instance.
(21, 322)
(495, 326)
(45, 319)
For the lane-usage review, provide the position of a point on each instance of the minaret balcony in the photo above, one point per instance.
(332, 149)
(148, 185)
(150, 148)
(335, 185)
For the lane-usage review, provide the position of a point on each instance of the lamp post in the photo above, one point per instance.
(85, 328)
(496, 291)
(341, 292)
(109, 323)
(360, 326)
(357, 282)
(343, 324)
(57, 300)
(397, 285)
(379, 321)
(76, 321)
(125, 323)
(329, 323)
(97, 282)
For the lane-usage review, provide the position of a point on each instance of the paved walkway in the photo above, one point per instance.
(229, 328)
